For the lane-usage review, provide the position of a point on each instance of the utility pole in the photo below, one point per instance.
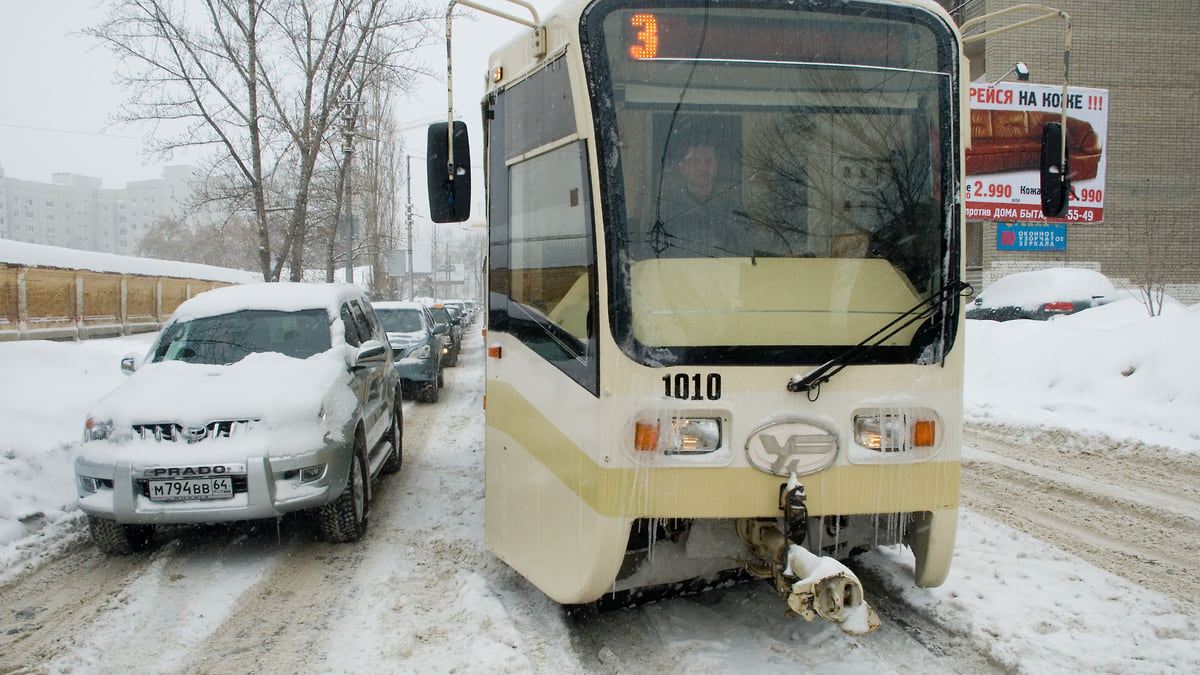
(349, 117)
(412, 289)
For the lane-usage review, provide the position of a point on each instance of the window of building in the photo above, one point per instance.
(974, 245)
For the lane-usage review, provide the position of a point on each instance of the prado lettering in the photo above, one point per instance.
(192, 471)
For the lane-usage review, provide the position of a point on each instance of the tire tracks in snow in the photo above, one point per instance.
(1127, 508)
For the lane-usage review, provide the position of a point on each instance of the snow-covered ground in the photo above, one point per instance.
(1025, 605)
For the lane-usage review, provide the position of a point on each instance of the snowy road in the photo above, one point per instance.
(1132, 511)
(421, 594)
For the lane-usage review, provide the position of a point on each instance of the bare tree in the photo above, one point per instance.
(380, 182)
(167, 239)
(259, 81)
(227, 244)
(1145, 244)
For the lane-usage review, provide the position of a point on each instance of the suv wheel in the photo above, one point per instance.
(117, 539)
(345, 518)
(429, 393)
(395, 458)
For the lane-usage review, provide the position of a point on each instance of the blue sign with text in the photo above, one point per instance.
(1031, 236)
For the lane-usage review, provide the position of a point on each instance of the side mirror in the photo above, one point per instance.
(129, 364)
(372, 352)
(1056, 172)
(449, 185)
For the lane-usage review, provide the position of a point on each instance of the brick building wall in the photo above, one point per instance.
(1143, 54)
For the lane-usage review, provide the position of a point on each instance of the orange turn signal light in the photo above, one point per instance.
(645, 436)
(924, 433)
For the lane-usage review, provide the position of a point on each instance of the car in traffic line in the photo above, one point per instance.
(253, 401)
(417, 348)
(462, 310)
(449, 318)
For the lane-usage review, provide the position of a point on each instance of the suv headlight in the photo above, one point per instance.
(97, 430)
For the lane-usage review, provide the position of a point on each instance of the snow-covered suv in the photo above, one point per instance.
(253, 401)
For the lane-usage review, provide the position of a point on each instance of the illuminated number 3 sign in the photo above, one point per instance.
(647, 37)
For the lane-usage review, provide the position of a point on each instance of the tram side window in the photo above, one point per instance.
(549, 249)
(546, 267)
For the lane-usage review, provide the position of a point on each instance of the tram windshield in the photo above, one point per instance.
(782, 178)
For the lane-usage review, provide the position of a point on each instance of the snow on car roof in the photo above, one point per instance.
(397, 304)
(1032, 289)
(285, 296)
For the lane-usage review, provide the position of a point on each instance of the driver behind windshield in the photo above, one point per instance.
(698, 208)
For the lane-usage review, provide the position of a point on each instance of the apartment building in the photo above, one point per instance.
(74, 211)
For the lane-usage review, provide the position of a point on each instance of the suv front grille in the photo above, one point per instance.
(173, 431)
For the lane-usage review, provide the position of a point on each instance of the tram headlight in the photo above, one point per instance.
(888, 432)
(679, 435)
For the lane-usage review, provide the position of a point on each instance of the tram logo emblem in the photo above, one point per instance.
(791, 447)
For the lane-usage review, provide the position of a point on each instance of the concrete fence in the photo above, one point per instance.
(45, 303)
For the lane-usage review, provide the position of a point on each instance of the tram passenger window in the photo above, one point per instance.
(549, 255)
(542, 250)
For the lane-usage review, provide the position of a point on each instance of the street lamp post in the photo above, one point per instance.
(349, 117)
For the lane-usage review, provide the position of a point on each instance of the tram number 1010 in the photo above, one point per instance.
(694, 387)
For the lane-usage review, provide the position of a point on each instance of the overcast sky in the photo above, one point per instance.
(59, 94)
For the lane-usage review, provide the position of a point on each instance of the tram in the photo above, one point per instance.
(725, 310)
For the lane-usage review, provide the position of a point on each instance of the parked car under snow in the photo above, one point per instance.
(254, 401)
(1042, 294)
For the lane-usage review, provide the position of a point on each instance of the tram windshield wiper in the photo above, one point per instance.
(924, 309)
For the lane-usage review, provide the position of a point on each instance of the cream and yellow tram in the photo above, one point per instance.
(683, 382)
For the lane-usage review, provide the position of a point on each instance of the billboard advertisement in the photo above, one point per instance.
(1006, 142)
